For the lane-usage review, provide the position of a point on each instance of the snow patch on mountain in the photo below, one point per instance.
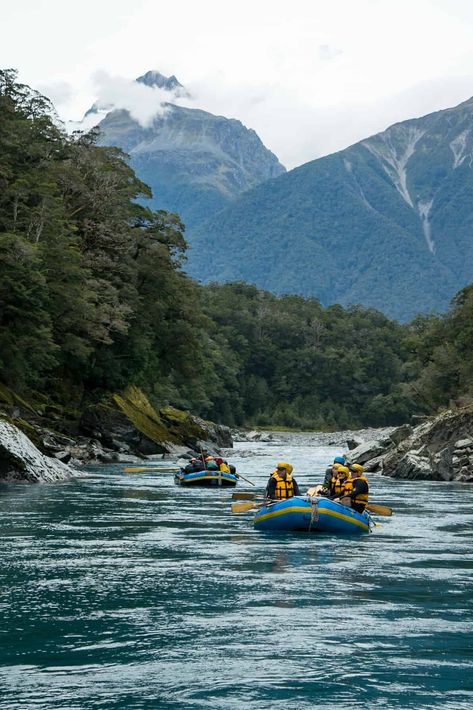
(458, 148)
(424, 211)
(349, 168)
(394, 157)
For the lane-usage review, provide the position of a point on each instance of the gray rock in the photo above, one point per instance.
(128, 458)
(401, 433)
(115, 430)
(64, 456)
(353, 443)
(108, 457)
(21, 460)
(412, 467)
(417, 419)
(176, 451)
(442, 464)
(465, 476)
(463, 443)
(374, 465)
(438, 449)
(367, 451)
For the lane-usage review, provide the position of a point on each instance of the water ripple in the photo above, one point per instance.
(125, 591)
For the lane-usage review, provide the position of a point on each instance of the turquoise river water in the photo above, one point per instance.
(123, 591)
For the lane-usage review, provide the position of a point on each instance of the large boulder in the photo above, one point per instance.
(129, 422)
(20, 460)
(411, 466)
(439, 449)
(400, 433)
(367, 451)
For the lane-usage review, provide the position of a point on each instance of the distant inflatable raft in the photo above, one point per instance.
(206, 478)
(311, 514)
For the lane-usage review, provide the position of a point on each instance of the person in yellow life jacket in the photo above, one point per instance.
(359, 488)
(330, 476)
(222, 465)
(281, 483)
(339, 481)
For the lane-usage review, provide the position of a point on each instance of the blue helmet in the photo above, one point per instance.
(339, 459)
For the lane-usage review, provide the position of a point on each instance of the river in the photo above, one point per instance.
(123, 591)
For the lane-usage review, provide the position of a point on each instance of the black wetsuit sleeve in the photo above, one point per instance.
(296, 487)
(328, 478)
(271, 488)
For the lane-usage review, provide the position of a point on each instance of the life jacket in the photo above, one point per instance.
(224, 467)
(347, 487)
(284, 487)
(361, 498)
(337, 486)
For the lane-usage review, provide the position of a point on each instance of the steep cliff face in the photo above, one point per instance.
(387, 222)
(195, 163)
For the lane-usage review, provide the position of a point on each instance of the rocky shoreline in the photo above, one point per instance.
(437, 449)
(41, 444)
(44, 444)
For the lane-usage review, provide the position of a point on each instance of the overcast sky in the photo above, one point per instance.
(310, 76)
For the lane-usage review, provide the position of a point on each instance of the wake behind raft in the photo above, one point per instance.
(311, 514)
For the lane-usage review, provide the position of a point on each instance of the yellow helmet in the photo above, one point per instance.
(286, 465)
(344, 469)
(357, 468)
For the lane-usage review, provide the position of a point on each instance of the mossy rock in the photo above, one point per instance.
(129, 418)
(167, 425)
(137, 408)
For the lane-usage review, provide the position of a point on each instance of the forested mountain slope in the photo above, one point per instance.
(387, 222)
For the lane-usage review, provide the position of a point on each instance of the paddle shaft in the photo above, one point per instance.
(245, 479)
(141, 469)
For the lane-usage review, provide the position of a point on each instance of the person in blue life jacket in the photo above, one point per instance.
(332, 471)
(281, 484)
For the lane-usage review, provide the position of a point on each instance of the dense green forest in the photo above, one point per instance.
(93, 298)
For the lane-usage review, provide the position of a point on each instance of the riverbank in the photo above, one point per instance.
(438, 449)
(125, 428)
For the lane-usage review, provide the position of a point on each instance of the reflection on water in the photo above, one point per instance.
(125, 591)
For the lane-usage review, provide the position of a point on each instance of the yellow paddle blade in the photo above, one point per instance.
(314, 491)
(243, 495)
(379, 509)
(243, 507)
(142, 469)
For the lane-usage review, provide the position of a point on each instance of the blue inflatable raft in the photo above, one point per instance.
(206, 478)
(311, 514)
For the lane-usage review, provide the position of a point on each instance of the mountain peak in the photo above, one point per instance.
(154, 78)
